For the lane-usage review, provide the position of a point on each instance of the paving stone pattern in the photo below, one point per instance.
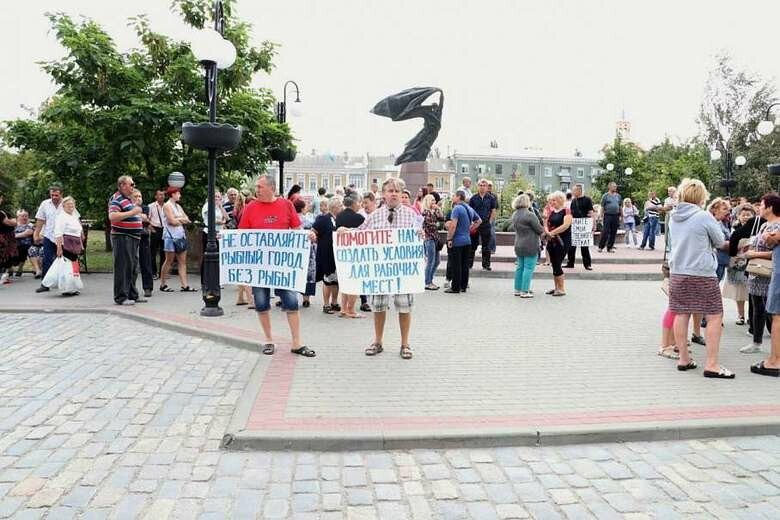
(104, 418)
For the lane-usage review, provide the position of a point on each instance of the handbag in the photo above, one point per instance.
(179, 244)
(440, 242)
(760, 267)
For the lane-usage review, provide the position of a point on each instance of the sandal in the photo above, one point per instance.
(551, 291)
(336, 307)
(306, 303)
(374, 349)
(741, 320)
(188, 289)
(356, 316)
(690, 366)
(722, 373)
(165, 288)
(559, 293)
(303, 350)
(761, 369)
(669, 352)
(242, 303)
(268, 349)
(406, 352)
(327, 309)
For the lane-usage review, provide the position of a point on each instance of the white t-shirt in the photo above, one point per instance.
(48, 211)
(173, 230)
(219, 216)
(66, 224)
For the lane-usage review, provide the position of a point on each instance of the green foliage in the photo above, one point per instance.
(508, 194)
(623, 154)
(668, 163)
(120, 113)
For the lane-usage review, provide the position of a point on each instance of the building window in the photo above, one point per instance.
(326, 183)
(375, 180)
(565, 186)
(548, 188)
(547, 172)
(313, 183)
(499, 169)
(439, 183)
(481, 169)
(580, 173)
(565, 172)
(464, 168)
(336, 181)
(594, 172)
(357, 180)
(531, 170)
(288, 181)
(300, 180)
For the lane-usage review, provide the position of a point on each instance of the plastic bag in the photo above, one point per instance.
(53, 274)
(70, 277)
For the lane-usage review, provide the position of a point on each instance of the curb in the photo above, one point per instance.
(595, 260)
(148, 320)
(243, 440)
(655, 275)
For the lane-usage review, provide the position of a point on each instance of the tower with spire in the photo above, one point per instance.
(623, 128)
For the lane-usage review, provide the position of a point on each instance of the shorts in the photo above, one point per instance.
(35, 252)
(168, 246)
(403, 302)
(262, 297)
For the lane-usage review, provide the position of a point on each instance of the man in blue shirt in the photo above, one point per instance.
(611, 203)
(462, 220)
(484, 204)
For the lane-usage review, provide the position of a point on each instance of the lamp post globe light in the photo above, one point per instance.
(213, 52)
(176, 180)
(278, 154)
(728, 182)
(767, 126)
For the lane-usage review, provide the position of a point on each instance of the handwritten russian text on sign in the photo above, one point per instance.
(581, 232)
(277, 259)
(380, 261)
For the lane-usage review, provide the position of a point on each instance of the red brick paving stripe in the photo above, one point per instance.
(268, 422)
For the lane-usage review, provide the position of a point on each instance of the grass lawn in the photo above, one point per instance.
(98, 259)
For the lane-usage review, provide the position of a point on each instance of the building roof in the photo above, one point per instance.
(523, 157)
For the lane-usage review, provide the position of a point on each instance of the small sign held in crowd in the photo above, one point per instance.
(380, 261)
(581, 232)
(277, 259)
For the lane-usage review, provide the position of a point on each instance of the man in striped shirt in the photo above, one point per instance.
(126, 229)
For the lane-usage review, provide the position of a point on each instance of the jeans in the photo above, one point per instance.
(431, 260)
(483, 235)
(49, 254)
(650, 232)
(720, 271)
(125, 251)
(524, 271)
(459, 256)
(630, 233)
(262, 297)
(609, 231)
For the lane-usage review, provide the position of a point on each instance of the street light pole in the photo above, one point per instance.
(281, 118)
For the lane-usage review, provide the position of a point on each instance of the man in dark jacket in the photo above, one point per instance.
(581, 207)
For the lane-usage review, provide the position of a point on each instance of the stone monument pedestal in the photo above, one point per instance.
(415, 174)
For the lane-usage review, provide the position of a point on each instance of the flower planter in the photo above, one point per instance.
(283, 154)
(206, 136)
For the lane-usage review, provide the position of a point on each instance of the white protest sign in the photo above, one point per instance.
(273, 258)
(380, 261)
(581, 232)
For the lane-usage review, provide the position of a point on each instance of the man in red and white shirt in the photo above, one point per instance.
(268, 211)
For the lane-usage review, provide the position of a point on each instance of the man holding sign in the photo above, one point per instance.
(268, 211)
(395, 216)
(581, 208)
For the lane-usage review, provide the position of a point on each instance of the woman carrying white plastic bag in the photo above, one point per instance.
(68, 234)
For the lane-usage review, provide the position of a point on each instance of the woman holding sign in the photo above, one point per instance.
(559, 233)
(323, 227)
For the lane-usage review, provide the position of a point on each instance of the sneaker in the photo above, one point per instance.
(487, 268)
(365, 307)
(527, 295)
(751, 348)
(127, 302)
(519, 293)
(41, 289)
(699, 340)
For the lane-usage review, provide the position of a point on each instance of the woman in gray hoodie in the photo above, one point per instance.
(693, 285)
(527, 231)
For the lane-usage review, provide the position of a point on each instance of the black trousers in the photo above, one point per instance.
(609, 232)
(458, 257)
(145, 262)
(585, 256)
(156, 251)
(556, 251)
(483, 235)
(125, 251)
(450, 264)
(759, 318)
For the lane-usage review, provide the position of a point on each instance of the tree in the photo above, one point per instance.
(118, 113)
(667, 163)
(735, 101)
(623, 154)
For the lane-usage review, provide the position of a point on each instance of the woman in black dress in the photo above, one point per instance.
(558, 229)
(324, 226)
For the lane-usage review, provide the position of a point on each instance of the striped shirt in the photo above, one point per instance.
(403, 217)
(129, 225)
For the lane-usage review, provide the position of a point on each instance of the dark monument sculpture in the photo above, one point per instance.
(408, 104)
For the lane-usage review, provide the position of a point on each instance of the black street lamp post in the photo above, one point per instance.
(728, 182)
(214, 52)
(766, 127)
(281, 117)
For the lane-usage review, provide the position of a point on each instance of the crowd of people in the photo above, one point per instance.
(724, 249)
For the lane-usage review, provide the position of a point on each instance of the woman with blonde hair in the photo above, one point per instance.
(68, 234)
(432, 215)
(558, 227)
(693, 284)
(630, 222)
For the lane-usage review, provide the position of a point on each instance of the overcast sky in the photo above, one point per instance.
(553, 75)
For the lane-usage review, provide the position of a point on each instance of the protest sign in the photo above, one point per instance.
(273, 258)
(380, 261)
(581, 232)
